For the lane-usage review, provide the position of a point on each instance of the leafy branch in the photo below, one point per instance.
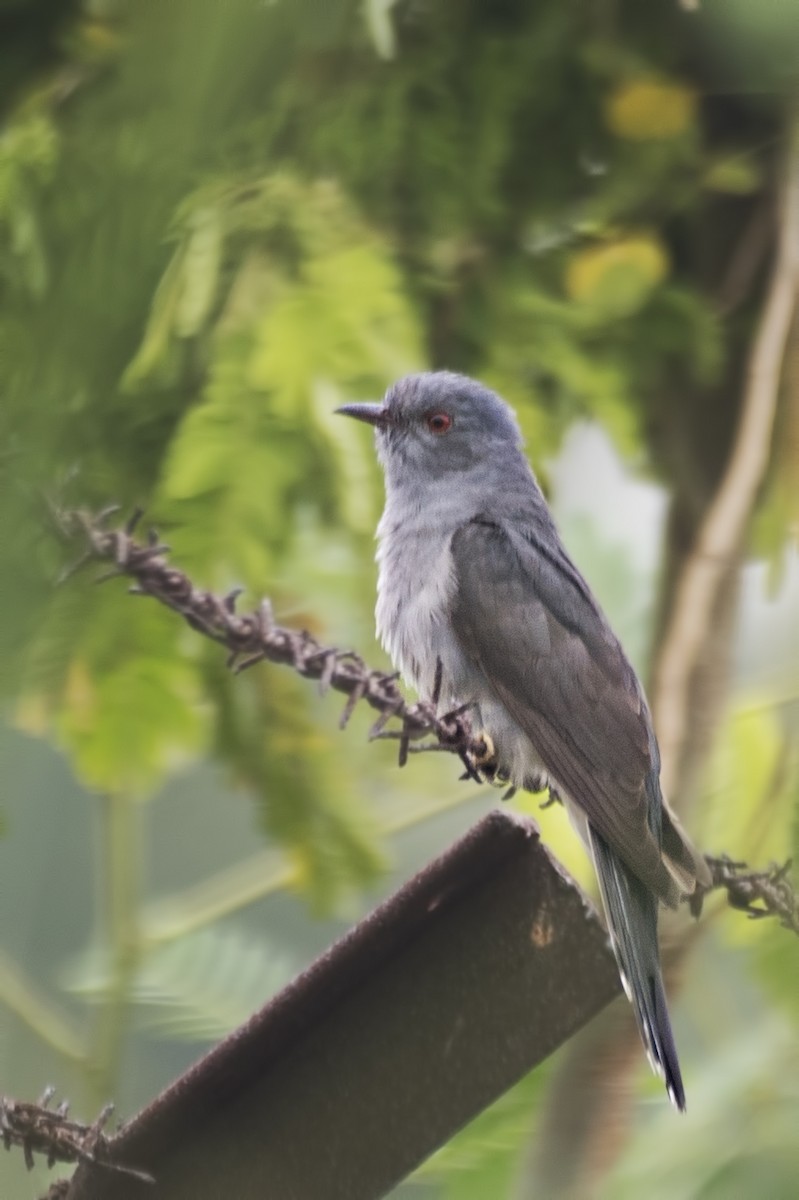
(253, 637)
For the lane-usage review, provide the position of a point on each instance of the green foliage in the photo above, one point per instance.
(754, 785)
(195, 989)
(312, 303)
(109, 681)
(283, 753)
(28, 150)
(217, 226)
(484, 1159)
(752, 770)
(737, 1140)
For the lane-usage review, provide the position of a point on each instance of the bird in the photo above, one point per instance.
(479, 604)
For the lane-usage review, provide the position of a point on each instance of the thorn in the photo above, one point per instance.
(102, 516)
(384, 717)
(470, 771)
(405, 741)
(355, 695)
(133, 520)
(248, 662)
(457, 712)
(781, 873)
(437, 681)
(229, 601)
(327, 671)
(265, 619)
(103, 1117)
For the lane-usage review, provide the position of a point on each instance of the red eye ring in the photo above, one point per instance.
(439, 422)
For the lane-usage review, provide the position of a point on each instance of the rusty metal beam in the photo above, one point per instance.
(434, 1005)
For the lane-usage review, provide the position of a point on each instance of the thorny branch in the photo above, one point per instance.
(253, 637)
(39, 1129)
(757, 893)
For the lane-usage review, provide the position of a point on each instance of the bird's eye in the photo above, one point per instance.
(439, 422)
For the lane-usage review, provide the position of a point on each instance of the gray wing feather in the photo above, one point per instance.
(526, 618)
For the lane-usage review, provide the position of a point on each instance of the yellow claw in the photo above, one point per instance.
(487, 755)
(486, 765)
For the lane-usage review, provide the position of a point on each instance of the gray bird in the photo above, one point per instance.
(479, 602)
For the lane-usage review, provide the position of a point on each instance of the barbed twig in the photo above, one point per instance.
(253, 637)
(760, 894)
(39, 1129)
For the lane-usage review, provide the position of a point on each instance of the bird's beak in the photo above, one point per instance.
(372, 414)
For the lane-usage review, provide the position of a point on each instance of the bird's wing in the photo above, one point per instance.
(525, 616)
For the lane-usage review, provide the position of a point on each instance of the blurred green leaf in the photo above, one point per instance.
(152, 353)
(486, 1157)
(279, 747)
(741, 1111)
(738, 174)
(110, 684)
(28, 154)
(750, 799)
(201, 987)
(329, 317)
(197, 988)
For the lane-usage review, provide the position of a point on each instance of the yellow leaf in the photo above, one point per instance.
(80, 695)
(646, 109)
(738, 175)
(617, 277)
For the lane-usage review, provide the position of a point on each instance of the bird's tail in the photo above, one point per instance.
(631, 911)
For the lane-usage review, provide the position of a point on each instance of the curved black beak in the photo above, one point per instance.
(372, 414)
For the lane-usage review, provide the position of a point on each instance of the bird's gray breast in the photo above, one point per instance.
(414, 597)
(415, 594)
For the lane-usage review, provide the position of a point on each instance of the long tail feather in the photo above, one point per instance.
(631, 911)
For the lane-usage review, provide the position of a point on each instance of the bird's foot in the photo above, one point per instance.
(485, 763)
(538, 782)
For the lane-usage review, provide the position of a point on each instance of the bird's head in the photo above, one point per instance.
(436, 425)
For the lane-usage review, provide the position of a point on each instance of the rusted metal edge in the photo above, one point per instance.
(411, 1024)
